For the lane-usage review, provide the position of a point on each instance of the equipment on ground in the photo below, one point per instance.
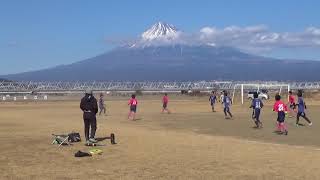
(95, 151)
(112, 139)
(60, 139)
(93, 144)
(66, 139)
(74, 137)
(82, 154)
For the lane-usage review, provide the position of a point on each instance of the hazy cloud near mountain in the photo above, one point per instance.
(257, 38)
(253, 39)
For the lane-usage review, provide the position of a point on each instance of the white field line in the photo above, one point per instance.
(277, 144)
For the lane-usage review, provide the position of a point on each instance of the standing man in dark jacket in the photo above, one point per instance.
(89, 107)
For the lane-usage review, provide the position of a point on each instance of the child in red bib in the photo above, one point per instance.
(281, 109)
(133, 107)
(165, 101)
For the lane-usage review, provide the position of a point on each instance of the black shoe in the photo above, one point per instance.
(286, 133)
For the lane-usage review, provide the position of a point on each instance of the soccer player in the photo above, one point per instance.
(221, 96)
(226, 104)
(165, 101)
(102, 106)
(301, 110)
(133, 107)
(281, 109)
(213, 99)
(292, 104)
(256, 105)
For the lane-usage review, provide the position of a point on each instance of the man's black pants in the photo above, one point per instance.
(90, 122)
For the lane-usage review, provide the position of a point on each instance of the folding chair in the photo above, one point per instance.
(60, 139)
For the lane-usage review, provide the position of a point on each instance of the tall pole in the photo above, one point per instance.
(234, 89)
(280, 90)
(288, 91)
(241, 93)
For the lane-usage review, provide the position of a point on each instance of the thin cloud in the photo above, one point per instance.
(255, 39)
(12, 44)
(259, 37)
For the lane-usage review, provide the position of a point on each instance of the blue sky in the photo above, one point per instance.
(36, 34)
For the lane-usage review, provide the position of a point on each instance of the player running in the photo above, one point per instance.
(165, 101)
(213, 99)
(221, 96)
(226, 104)
(292, 104)
(281, 109)
(256, 105)
(133, 107)
(301, 110)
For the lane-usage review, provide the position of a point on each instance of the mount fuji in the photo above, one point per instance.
(159, 54)
(161, 31)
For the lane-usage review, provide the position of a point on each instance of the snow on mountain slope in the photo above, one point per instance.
(161, 31)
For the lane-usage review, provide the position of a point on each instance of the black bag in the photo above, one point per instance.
(74, 137)
(81, 154)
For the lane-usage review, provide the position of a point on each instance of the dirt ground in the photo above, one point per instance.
(190, 143)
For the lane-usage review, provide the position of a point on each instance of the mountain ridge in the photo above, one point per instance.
(151, 60)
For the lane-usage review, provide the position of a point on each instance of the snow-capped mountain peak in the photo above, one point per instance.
(160, 31)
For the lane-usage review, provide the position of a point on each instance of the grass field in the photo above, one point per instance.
(190, 143)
